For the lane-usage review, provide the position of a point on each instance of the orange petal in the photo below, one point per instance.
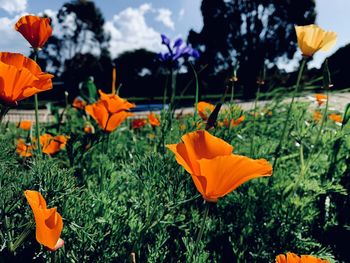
(311, 259)
(115, 103)
(293, 258)
(201, 144)
(312, 38)
(48, 222)
(35, 199)
(225, 173)
(116, 119)
(99, 112)
(35, 30)
(181, 156)
(281, 259)
(20, 77)
(205, 109)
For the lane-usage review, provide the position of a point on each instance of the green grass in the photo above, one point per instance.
(128, 194)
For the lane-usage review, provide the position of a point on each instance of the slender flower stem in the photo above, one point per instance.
(3, 111)
(253, 128)
(202, 227)
(173, 90)
(197, 91)
(284, 129)
(232, 91)
(36, 105)
(323, 122)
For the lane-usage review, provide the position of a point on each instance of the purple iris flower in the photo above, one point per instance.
(178, 50)
(165, 40)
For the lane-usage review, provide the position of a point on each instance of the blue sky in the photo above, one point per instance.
(138, 23)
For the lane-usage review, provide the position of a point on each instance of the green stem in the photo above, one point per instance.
(202, 227)
(36, 105)
(197, 91)
(37, 126)
(165, 94)
(278, 148)
(232, 91)
(253, 128)
(323, 122)
(173, 90)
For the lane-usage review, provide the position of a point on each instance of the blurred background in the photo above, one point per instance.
(253, 39)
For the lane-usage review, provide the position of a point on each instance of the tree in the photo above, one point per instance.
(140, 73)
(80, 46)
(249, 32)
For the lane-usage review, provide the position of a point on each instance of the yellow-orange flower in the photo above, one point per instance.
(153, 120)
(20, 78)
(293, 258)
(48, 222)
(317, 116)
(138, 123)
(312, 38)
(320, 98)
(214, 169)
(205, 109)
(115, 103)
(79, 103)
(35, 29)
(52, 144)
(110, 111)
(25, 125)
(24, 149)
(233, 122)
(335, 117)
(89, 128)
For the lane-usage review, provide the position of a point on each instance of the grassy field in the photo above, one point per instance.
(123, 192)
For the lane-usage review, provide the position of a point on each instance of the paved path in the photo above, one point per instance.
(337, 101)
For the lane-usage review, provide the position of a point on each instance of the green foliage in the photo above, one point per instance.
(124, 193)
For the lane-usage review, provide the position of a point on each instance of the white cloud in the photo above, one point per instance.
(164, 16)
(181, 14)
(11, 40)
(129, 30)
(13, 6)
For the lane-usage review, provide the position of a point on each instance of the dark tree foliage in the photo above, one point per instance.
(139, 73)
(249, 32)
(80, 48)
(339, 66)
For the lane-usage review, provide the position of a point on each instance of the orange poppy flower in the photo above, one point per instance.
(232, 123)
(320, 98)
(205, 109)
(138, 123)
(214, 169)
(107, 120)
(312, 38)
(35, 29)
(52, 144)
(115, 103)
(24, 149)
(317, 116)
(335, 117)
(48, 222)
(293, 258)
(79, 103)
(20, 78)
(110, 111)
(153, 120)
(25, 125)
(89, 128)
